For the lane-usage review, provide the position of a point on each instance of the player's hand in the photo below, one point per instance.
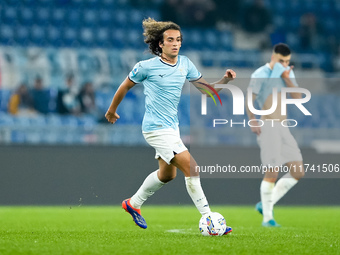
(286, 73)
(256, 130)
(112, 117)
(229, 75)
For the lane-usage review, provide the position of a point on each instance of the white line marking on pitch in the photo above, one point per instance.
(178, 230)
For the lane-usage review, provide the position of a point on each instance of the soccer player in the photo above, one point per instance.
(278, 146)
(163, 78)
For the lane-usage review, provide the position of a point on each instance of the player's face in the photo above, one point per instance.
(172, 43)
(284, 60)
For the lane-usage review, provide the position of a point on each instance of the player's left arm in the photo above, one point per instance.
(203, 85)
(286, 76)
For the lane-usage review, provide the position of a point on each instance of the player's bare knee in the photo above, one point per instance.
(298, 174)
(173, 176)
(271, 175)
(167, 177)
(297, 170)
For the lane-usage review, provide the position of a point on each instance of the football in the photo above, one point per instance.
(213, 225)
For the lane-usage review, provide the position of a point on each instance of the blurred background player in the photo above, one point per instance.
(163, 78)
(277, 144)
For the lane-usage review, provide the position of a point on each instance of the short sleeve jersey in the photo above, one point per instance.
(163, 85)
(264, 79)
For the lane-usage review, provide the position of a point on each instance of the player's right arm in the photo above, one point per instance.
(202, 84)
(111, 114)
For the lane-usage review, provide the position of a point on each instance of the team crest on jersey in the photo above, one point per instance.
(181, 70)
(134, 71)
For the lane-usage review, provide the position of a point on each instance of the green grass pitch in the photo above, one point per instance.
(171, 230)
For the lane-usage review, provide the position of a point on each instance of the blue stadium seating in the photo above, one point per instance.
(210, 38)
(73, 18)
(69, 36)
(226, 41)
(4, 98)
(57, 17)
(118, 38)
(53, 35)
(330, 24)
(37, 35)
(7, 35)
(102, 37)
(89, 17)
(105, 18)
(22, 35)
(9, 15)
(193, 39)
(43, 15)
(26, 15)
(279, 6)
(6, 120)
(55, 128)
(87, 37)
(74, 23)
(135, 18)
(109, 4)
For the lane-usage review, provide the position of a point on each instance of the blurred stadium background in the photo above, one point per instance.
(45, 45)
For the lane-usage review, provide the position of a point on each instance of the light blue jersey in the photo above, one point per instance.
(163, 85)
(264, 79)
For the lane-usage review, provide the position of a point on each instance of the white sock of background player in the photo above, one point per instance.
(266, 191)
(282, 186)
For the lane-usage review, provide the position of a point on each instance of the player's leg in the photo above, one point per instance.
(163, 141)
(151, 184)
(132, 205)
(166, 143)
(297, 170)
(291, 154)
(187, 164)
(166, 172)
(270, 145)
(289, 180)
(266, 191)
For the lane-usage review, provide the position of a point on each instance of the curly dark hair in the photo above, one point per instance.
(153, 33)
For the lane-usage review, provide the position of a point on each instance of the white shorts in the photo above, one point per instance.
(166, 142)
(277, 145)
